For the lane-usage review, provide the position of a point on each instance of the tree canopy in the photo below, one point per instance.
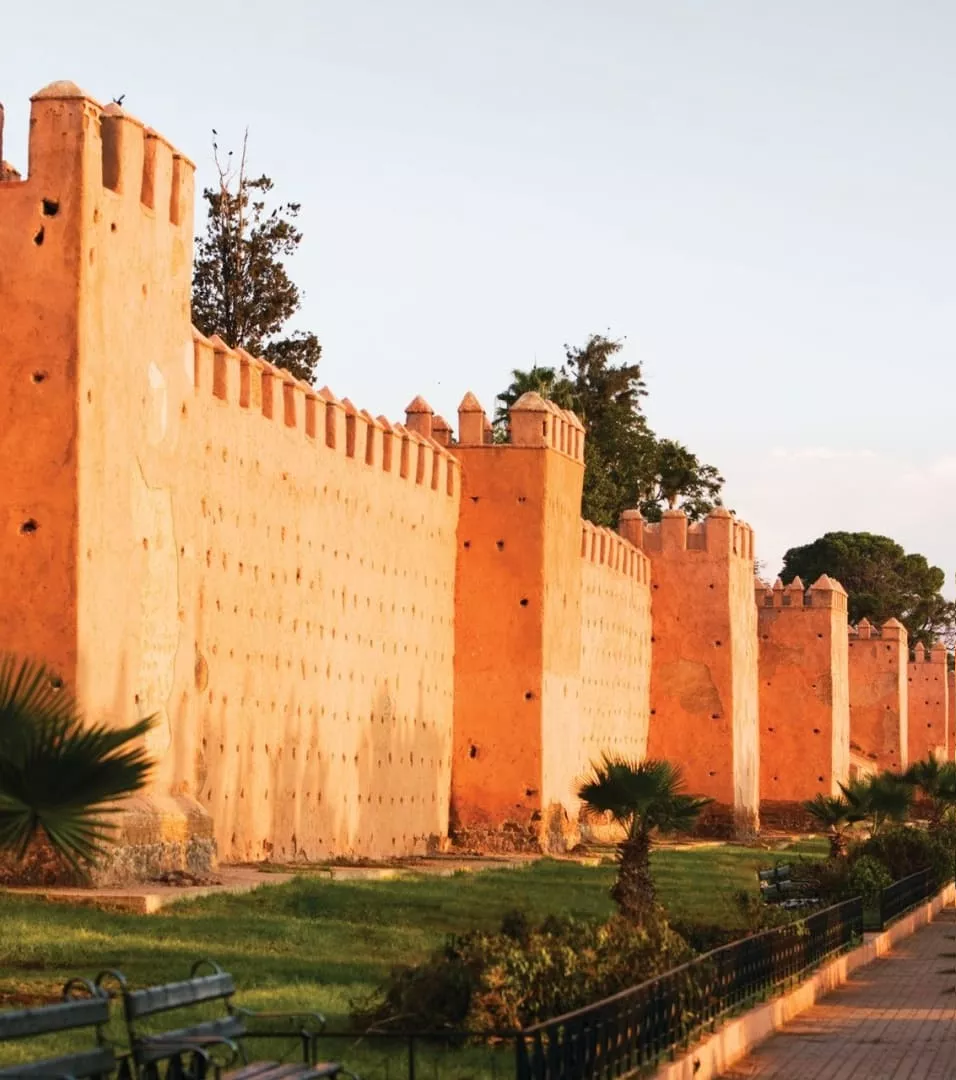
(625, 464)
(241, 287)
(882, 581)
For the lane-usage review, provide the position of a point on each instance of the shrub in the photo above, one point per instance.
(500, 981)
(906, 850)
(868, 877)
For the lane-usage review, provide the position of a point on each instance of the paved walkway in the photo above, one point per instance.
(894, 1019)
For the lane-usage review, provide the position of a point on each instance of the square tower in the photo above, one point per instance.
(928, 698)
(804, 697)
(878, 694)
(704, 698)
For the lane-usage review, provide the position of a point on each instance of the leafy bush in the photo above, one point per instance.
(905, 850)
(868, 877)
(521, 974)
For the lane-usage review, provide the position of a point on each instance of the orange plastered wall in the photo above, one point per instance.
(928, 698)
(704, 707)
(499, 614)
(950, 713)
(804, 691)
(319, 566)
(878, 694)
(40, 256)
(267, 571)
(615, 646)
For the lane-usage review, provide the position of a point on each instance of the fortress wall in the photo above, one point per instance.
(804, 697)
(704, 694)
(317, 553)
(927, 695)
(879, 694)
(615, 646)
(190, 533)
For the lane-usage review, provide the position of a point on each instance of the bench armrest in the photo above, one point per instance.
(315, 1018)
(186, 1044)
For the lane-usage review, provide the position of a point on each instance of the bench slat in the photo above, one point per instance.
(84, 1012)
(88, 1063)
(154, 1047)
(157, 999)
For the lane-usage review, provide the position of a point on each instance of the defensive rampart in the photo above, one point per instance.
(928, 701)
(193, 534)
(804, 697)
(878, 694)
(704, 696)
(357, 636)
(552, 632)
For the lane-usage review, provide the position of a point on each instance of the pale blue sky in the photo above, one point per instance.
(758, 195)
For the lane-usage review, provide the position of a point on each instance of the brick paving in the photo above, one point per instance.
(894, 1019)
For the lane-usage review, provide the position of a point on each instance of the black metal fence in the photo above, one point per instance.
(637, 1027)
(905, 894)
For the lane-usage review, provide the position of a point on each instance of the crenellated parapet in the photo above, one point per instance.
(236, 378)
(533, 422)
(891, 630)
(823, 593)
(605, 547)
(720, 533)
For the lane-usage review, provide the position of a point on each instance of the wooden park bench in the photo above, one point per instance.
(221, 1039)
(777, 886)
(92, 1010)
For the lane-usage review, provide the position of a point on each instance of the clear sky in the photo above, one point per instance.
(757, 195)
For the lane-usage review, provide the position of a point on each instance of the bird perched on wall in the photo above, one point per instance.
(119, 100)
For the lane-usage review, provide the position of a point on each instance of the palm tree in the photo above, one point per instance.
(836, 815)
(640, 797)
(879, 800)
(937, 782)
(59, 776)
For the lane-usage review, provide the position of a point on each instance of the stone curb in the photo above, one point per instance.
(735, 1039)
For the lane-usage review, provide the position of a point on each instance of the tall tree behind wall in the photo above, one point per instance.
(882, 581)
(625, 464)
(241, 288)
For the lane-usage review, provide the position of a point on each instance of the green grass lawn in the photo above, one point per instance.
(318, 943)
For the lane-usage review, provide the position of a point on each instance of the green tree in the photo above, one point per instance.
(679, 474)
(836, 816)
(937, 781)
(625, 464)
(241, 288)
(58, 776)
(879, 800)
(882, 581)
(639, 797)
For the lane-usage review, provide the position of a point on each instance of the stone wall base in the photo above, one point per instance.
(787, 817)
(546, 832)
(721, 822)
(154, 837)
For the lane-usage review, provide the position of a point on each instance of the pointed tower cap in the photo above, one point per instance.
(60, 91)
(778, 585)
(825, 583)
(531, 402)
(893, 624)
(797, 583)
(720, 512)
(469, 403)
(418, 405)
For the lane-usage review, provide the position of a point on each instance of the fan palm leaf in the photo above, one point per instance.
(640, 797)
(58, 777)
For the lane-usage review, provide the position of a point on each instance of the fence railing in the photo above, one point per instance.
(636, 1027)
(905, 894)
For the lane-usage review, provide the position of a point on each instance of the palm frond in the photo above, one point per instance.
(58, 778)
(649, 792)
